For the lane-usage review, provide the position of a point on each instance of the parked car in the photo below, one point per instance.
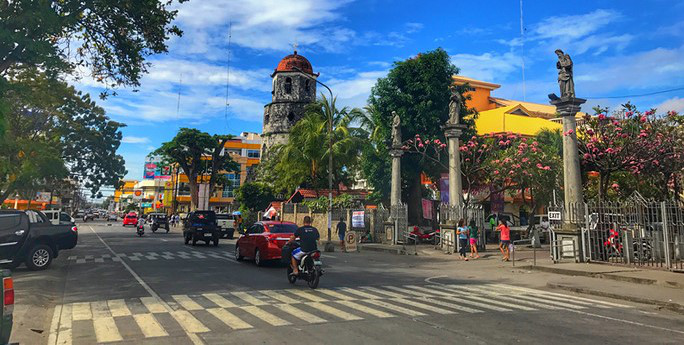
(130, 219)
(226, 223)
(7, 306)
(201, 226)
(29, 237)
(264, 241)
(112, 217)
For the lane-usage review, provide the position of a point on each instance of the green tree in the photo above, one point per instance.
(303, 160)
(202, 158)
(254, 196)
(54, 131)
(111, 38)
(418, 90)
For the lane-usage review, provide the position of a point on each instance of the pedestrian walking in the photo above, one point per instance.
(505, 239)
(341, 231)
(473, 234)
(462, 233)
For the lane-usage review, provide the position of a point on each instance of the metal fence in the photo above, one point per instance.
(635, 231)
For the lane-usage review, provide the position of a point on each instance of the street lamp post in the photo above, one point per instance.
(329, 247)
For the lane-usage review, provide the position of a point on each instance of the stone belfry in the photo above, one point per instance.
(294, 87)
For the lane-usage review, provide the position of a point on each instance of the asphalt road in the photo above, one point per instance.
(115, 287)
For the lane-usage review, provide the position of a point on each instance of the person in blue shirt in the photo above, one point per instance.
(462, 232)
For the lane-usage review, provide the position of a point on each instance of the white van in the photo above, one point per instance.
(57, 217)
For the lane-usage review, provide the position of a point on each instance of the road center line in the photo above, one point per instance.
(193, 337)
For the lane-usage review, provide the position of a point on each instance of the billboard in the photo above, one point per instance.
(155, 170)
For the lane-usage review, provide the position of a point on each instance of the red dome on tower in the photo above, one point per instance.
(288, 64)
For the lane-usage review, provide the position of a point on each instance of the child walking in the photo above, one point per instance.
(474, 233)
(462, 233)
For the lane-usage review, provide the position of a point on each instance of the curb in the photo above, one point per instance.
(398, 251)
(606, 275)
(676, 307)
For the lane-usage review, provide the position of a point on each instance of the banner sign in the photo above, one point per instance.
(154, 169)
(137, 194)
(358, 219)
(43, 197)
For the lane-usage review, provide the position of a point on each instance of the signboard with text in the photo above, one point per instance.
(358, 219)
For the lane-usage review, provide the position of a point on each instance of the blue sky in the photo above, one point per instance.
(618, 47)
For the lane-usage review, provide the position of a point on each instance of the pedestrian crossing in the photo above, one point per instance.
(227, 311)
(151, 256)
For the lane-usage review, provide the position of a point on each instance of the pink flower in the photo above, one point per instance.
(511, 172)
(427, 142)
(417, 135)
(629, 113)
(501, 142)
(601, 117)
(540, 166)
(643, 118)
(443, 146)
(463, 148)
(421, 145)
(496, 172)
(615, 186)
(610, 150)
(546, 167)
(590, 132)
(587, 156)
(524, 160)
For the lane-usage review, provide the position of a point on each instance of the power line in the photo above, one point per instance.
(640, 95)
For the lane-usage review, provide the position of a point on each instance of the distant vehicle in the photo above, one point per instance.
(7, 306)
(112, 217)
(29, 237)
(226, 222)
(130, 219)
(264, 241)
(201, 226)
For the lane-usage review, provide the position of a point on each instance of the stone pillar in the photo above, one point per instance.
(572, 178)
(395, 194)
(452, 133)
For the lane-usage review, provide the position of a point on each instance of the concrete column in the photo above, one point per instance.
(572, 178)
(452, 133)
(395, 194)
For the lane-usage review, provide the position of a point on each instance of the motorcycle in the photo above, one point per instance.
(140, 230)
(309, 269)
(155, 227)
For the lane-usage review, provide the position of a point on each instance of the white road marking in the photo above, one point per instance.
(149, 326)
(228, 318)
(81, 311)
(308, 295)
(106, 330)
(100, 309)
(364, 309)
(64, 331)
(359, 293)
(245, 296)
(279, 296)
(336, 294)
(296, 312)
(542, 292)
(187, 303)
(54, 325)
(265, 316)
(189, 323)
(396, 308)
(334, 311)
(118, 307)
(153, 305)
(219, 300)
(423, 306)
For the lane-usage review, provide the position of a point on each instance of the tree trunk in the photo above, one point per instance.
(194, 193)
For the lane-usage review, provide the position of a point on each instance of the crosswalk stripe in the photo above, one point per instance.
(219, 300)
(105, 330)
(359, 293)
(487, 306)
(492, 301)
(334, 311)
(308, 295)
(423, 306)
(449, 305)
(100, 309)
(118, 307)
(265, 316)
(576, 301)
(54, 325)
(383, 292)
(229, 319)
(542, 292)
(81, 311)
(551, 302)
(64, 329)
(536, 304)
(393, 307)
(336, 294)
(186, 302)
(149, 326)
(248, 298)
(406, 291)
(363, 308)
(278, 296)
(189, 322)
(428, 292)
(310, 318)
(153, 305)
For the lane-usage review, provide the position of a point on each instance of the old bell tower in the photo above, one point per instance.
(294, 87)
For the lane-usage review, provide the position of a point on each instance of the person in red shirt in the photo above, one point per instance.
(505, 239)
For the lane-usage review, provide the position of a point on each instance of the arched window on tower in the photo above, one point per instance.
(306, 85)
(266, 117)
(290, 117)
(288, 85)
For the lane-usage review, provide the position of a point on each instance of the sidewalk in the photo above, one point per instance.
(660, 288)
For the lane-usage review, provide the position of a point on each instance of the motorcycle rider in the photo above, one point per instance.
(141, 223)
(308, 238)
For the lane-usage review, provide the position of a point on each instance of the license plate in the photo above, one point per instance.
(199, 228)
(317, 262)
(207, 234)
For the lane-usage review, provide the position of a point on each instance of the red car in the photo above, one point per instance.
(264, 241)
(130, 219)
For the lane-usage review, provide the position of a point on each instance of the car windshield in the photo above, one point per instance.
(203, 217)
(282, 228)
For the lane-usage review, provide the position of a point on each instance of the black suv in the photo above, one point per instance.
(201, 226)
(158, 220)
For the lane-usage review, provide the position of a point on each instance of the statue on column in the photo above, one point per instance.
(454, 106)
(565, 81)
(396, 129)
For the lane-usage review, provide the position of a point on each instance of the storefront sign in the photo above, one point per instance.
(358, 219)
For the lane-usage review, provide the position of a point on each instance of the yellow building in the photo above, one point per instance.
(124, 193)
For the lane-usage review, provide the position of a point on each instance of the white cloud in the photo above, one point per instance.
(135, 140)
(488, 66)
(358, 85)
(675, 103)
